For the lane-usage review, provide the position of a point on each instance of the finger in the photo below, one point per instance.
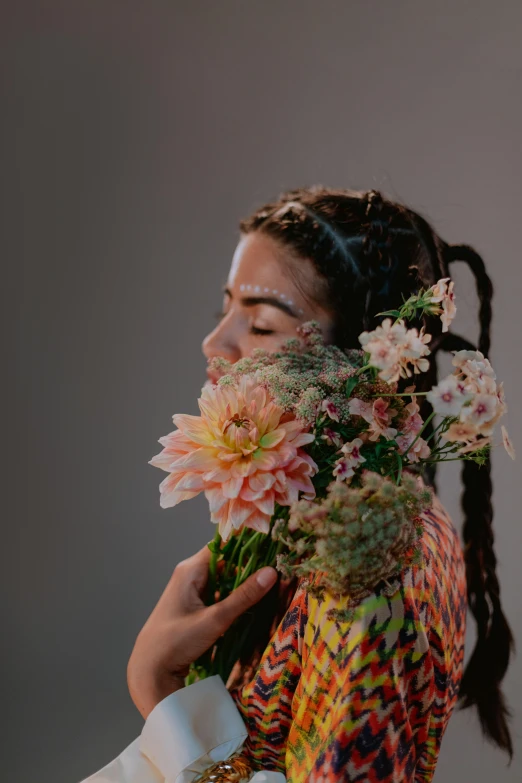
(223, 614)
(197, 572)
(188, 578)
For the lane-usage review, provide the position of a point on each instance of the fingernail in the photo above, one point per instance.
(266, 576)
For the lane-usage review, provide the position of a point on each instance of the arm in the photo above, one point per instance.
(184, 735)
(186, 729)
(362, 708)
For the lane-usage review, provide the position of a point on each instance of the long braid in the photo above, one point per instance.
(489, 661)
(484, 288)
(488, 664)
(376, 243)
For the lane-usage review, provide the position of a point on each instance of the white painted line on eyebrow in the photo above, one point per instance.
(266, 290)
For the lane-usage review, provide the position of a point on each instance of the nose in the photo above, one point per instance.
(220, 342)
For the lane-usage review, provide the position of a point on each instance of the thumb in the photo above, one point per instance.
(242, 598)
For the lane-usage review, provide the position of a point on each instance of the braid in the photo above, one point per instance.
(300, 225)
(489, 661)
(484, 288)
(376, 244)
(377, 235)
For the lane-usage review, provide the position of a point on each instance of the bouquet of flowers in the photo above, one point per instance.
(308, 455)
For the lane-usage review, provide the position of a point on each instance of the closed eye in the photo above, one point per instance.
(253, 329)
(257, 330)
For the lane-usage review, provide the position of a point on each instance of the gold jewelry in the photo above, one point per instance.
(236, 769)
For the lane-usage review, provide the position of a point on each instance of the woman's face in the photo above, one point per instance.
(262, 305)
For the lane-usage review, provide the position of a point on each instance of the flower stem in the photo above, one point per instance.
(405, 394)
(212, 568)
(230, 561)
(240, 575)
(399, 472)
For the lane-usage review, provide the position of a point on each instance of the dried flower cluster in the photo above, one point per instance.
(354, 537)
(302, 377)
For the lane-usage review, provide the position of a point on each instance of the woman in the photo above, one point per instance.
(326, 700)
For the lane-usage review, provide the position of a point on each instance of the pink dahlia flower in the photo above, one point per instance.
(243, 452)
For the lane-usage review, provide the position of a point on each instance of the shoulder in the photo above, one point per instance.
(427, 597)
(395, 615)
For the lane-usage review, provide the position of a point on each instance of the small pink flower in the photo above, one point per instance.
(501, 397)
(384, 344)
(414, 353)
(331, 437)
(413, 421)
(378, 415)
(328, 407)
(482, 409)
(461, 431)
(359, 407)
(506, 440)
(419, 450)
(442, 292)
(448, 397)
(475, 371)
(352, 453)
(393, 348)
(343, 470)
(474, 445)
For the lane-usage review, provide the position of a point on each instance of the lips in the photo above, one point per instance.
(213, 377)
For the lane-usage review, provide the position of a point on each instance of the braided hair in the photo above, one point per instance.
(371, 252)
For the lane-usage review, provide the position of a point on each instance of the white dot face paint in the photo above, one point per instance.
(256, 289)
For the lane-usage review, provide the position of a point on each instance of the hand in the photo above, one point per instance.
(181, 628)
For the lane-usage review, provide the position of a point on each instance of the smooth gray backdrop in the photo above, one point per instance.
(135, 135)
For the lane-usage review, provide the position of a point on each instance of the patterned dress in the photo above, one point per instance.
(366, 700)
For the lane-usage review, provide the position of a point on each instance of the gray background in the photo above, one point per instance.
(135, 135)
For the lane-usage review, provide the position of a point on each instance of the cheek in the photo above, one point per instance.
(268, 342)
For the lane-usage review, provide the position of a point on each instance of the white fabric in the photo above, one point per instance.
(184, 734)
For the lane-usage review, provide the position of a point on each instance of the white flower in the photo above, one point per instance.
(448, 397)
(442, 292)
(461, 431)
(351, 451)
(393, 333)
(343, 470)
(414, 352)
(439, 290)
(506, 440)
(462, 357)
(393, 348)
(383, 345)
(482, 410)
(501, 397)
(478, 373)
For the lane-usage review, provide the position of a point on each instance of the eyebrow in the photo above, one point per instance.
(251, 301)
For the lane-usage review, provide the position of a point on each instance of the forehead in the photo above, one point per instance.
(260, 260)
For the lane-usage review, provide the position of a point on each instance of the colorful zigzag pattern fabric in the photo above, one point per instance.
(366, 700)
